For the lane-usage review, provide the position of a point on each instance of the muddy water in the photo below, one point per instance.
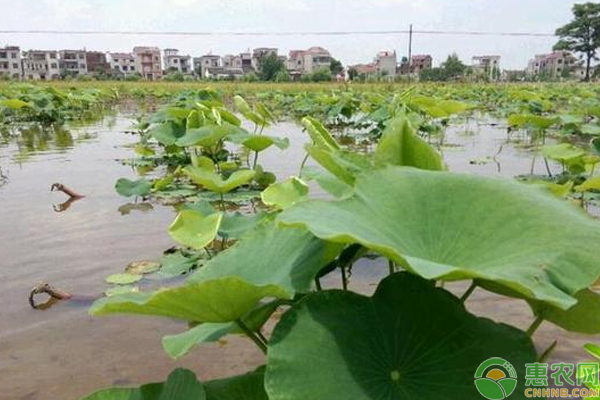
(62, 353)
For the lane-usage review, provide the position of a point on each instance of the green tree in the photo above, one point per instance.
(336, 67)
(352, 73)
(582, 35)
(321, 75)
(269, 66)
(453, 67)
(283, 76)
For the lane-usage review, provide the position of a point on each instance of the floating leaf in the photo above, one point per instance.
(285, 194)
(142, 267)
(123, 279)
(399, 344)
(177, 264)
(562, 152)
(192, 229)
(454, 227)
(128, 188)
(113, 291)
(14, 104)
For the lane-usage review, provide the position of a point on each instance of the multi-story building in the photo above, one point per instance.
(552, 65)
(72, 62)
(147, 62)
(176, 62)
(487, 66)
(96, 62)
(301, 62)
(420, 62)
(261, 52)
(204, 63)
(40, 65)
(386, 63)
(122, 64)
(246, 62)
(10, 62)
(231, 61)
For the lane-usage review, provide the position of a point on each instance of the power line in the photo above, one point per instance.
(291, 33)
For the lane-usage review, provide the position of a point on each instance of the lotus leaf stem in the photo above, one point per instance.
(252, 335)
(534, 326)
(469, 291)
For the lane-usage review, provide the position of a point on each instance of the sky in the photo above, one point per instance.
(538, 16)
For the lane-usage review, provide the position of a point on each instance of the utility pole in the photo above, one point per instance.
(410, 35)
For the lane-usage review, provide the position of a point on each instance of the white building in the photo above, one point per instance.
(301, 62)
(386, 63)
(487, 66)
(204, 63)
(122, 63)
(40, 65)
(553, 65)
(10, 62)
(72, 62)
(175, 62)
(261, 52)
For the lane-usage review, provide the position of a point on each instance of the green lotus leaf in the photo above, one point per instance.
(218, 300)
(215, 183)
(327, 182)
(181, 385)
(589, 129)
(192, 229)
(143, 150)
(115, 290)
(263, 142)
(236, 225)
(250, 386)
(285, 194)
(562, 152)
(342, 164)
(589, 184)
(409, 341)
(592, 349)
(179, 345)
(163, 183)
(319, 134)
(453, 227)
(14, 104)
(194, 120)
(128, 188)
(583, 317)
(530, 120)
(229, 117)
(242, 106)
(177, 264)
(167, 133)
(287, 257)
(595, 144)
(400, 145)
(207, 135)
(123, 279)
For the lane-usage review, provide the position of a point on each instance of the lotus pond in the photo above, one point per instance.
(237, 242)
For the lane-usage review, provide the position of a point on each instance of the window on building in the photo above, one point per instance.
(52, 55)
(81, 56)
(53, 66)
(2, 55)
(13, 55)
(15, 65)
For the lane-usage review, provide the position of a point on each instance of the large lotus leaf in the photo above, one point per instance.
(285, 194)
(595, 144)
(217, 300)
(250, 386)
(128, 188)
(208, 135)
(344, 165)
(194, 229)
(400, 145)
(263, 142)
(409, 341)
(583, 317)
(287, 257)
(236, 225)
(215, 183)
(181, 385)
(562, 152)
(167, 133)
(453, 226)
(243, 107)
(589, 184)
(327, 182)
(179, 345)
(535, 121)
(15, 104)
(319, 134)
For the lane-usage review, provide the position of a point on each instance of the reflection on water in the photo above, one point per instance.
(63, 353)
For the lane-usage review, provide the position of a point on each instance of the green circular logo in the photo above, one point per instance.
(496, 379)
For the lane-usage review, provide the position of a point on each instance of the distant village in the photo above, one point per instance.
(150, 63)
